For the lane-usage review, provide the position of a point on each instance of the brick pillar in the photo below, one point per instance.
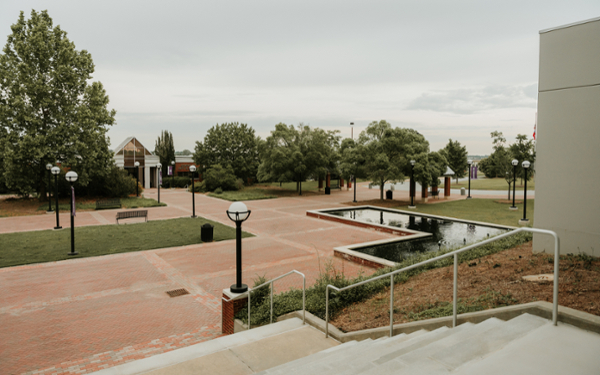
(328, 183)
(349, 184)
(232, 303)
(341, 183)
(320, 183)
(446, 186)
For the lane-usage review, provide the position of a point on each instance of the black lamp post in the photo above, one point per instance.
(515, 162)
(412, 183)
(159, 167)
(507, 178)
(137, 172)
(56, 171)
(172, 173)
(354, 182)
(238, 213)
(525, 220)
(193, 169)
(48, 168)
(72, 177)
(470, 162)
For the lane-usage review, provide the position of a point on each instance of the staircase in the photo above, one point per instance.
(526, 344)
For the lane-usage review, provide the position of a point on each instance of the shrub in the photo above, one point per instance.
(199, 187)
(177, 181)
(118, 184)
(218, 176)
(218, 191)
(291, 300)
(239, 184)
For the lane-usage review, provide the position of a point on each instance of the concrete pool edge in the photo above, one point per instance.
(348, 252)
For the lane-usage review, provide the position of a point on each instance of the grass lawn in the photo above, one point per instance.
(490, 184)
(486, 210)
(49, 245)
(247, 194)
(87, 205)
(306, 185)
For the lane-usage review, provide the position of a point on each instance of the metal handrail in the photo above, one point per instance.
(455, 254)
(271, 283)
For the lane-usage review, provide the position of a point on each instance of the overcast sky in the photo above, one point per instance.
(448, 69)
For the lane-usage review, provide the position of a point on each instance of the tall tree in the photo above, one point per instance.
(230, 144)
(352, 159)
(49, 109)
(297, 153)
(387, 152)
(456, 156)
(165, 149)
(522, 150)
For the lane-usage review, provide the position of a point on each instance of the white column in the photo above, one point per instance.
(146, 177)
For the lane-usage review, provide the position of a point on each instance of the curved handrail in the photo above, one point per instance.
(271, 283)
(455, 254)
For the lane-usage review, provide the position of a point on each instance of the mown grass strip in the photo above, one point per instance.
(50, 245)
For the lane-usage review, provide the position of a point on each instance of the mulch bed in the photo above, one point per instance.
(497, 276)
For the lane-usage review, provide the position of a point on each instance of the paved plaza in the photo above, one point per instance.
(81, 315)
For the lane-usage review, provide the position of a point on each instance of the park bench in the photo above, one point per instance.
(108, 203)
(435, 194)
(132, 214)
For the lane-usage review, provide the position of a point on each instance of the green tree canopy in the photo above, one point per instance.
(164, 148)
(230, 144)
(523, 149)
(456, 156)
(352, 163)
(296, 153)
(387, 152)
(49, 111)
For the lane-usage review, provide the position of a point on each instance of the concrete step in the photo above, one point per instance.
(240, 353)
(471, 345)
(547, 350)
(288, 367)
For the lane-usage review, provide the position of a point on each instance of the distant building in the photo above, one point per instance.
(131, 150)
(568, 138)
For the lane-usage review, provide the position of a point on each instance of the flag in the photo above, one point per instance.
(535, 126)
(73, 200)
(160, 179)
(170, 170)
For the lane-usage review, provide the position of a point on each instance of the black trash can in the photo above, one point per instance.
(327, 191)
(206, 232)
(388, 194)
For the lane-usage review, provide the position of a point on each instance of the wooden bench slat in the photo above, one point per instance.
(132, 214)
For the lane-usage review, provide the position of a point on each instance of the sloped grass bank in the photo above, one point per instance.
(289, 301)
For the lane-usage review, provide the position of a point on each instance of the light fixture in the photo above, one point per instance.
(238, 212)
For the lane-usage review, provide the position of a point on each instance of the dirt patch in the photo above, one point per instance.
(492, 281)
(15, 206)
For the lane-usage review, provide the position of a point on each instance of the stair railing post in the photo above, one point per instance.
(303, 299)
(555, 291)
(271, 302)
(454, 302)
(391, 305)
(327, 311)
(248, 309)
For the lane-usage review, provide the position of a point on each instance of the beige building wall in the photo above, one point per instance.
(567, 191)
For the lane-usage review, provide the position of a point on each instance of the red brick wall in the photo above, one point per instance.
(229, 309)
(358, 260)
(359, 224)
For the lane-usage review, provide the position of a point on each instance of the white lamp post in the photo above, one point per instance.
(137, 172)
(238, 213)
(193, 169)
(72, 177)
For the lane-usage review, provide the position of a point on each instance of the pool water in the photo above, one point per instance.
(446, 233)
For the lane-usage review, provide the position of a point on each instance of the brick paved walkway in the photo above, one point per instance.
(81, 315)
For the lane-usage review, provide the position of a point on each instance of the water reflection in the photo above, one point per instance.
(445, 233)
